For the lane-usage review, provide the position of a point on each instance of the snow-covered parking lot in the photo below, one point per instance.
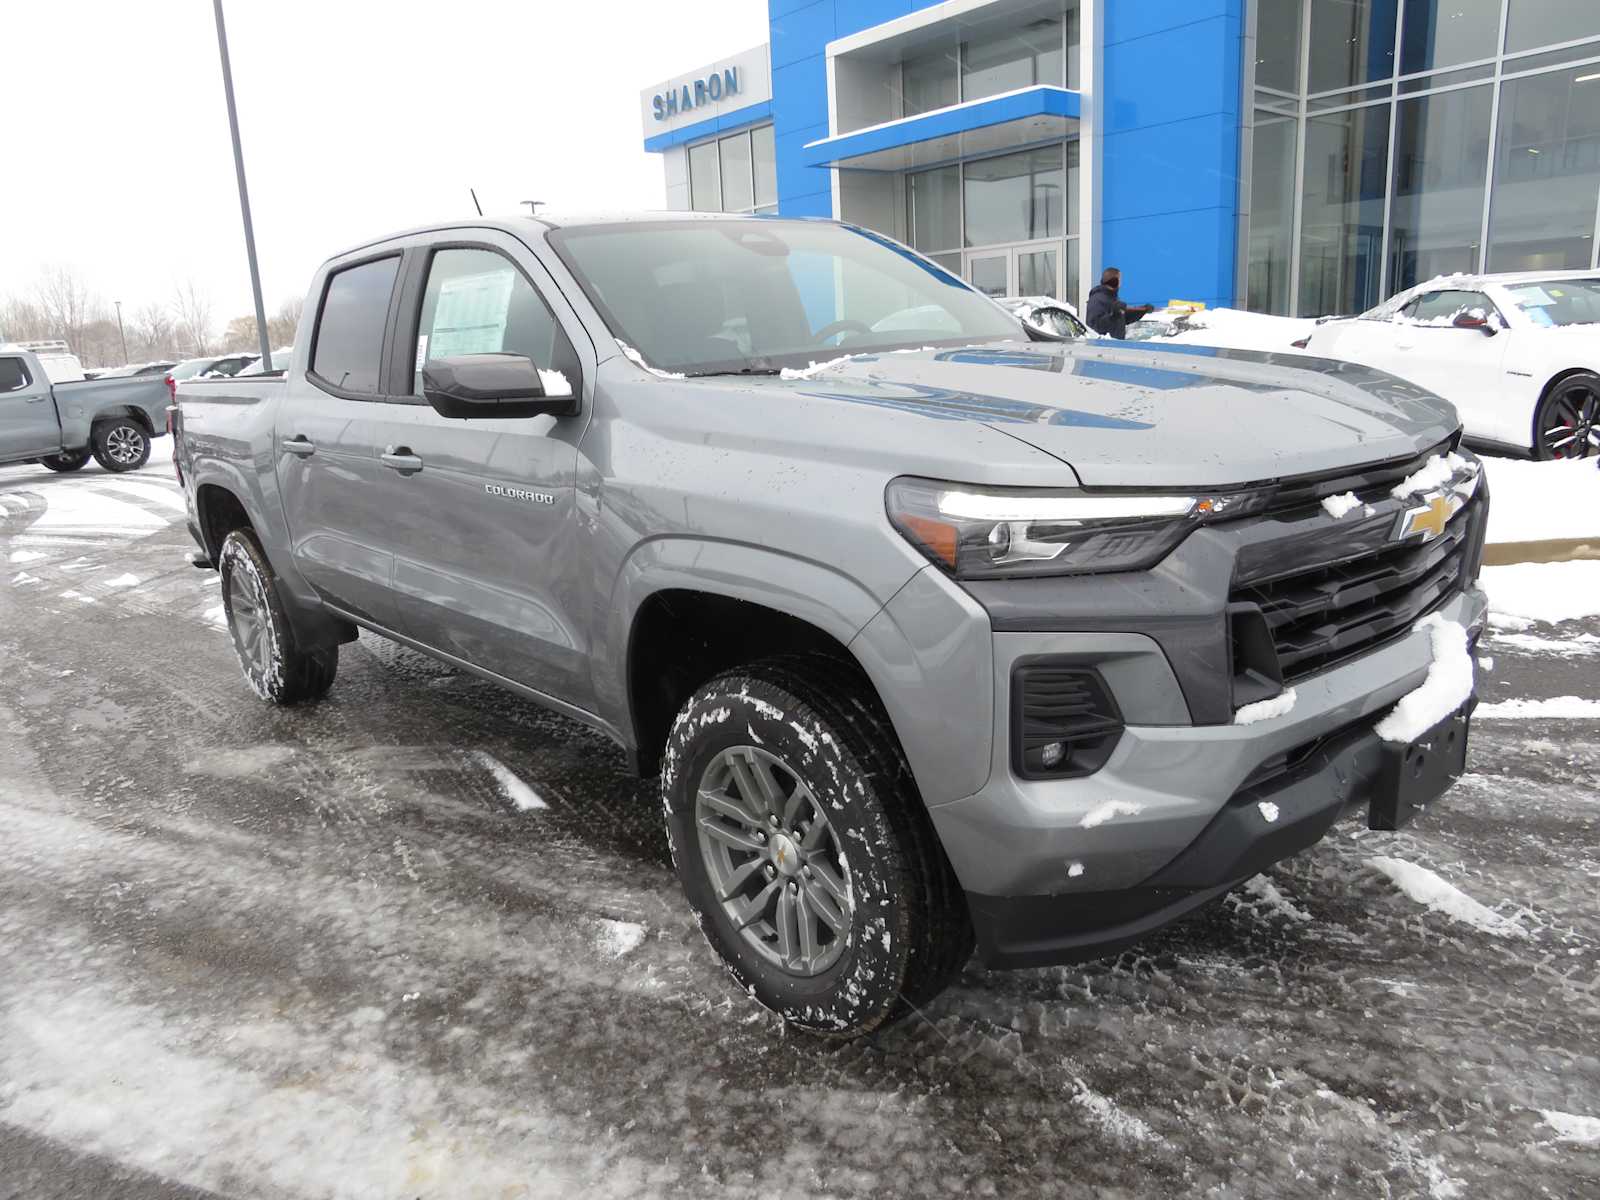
(422, 939)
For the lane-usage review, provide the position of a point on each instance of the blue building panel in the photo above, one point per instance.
(1015, 106)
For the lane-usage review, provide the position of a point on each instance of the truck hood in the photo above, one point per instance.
(1140, 416)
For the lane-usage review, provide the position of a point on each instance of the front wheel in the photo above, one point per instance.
(1567, 422)
(805, 850)
(120, 444)
(274, 667)
(69, 461)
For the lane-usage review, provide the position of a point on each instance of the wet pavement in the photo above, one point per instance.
(338, 951)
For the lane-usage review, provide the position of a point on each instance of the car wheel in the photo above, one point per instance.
(1567, 422)
(805, 850)
(120, 444)
(273, 666)
(70, 461)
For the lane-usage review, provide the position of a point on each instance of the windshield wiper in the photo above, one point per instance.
(734, 371)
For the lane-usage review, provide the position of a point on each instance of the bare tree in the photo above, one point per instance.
(21, 320)
(281, 327)
(240, 334)
(192, 308)
(151, 333)
(66, 303)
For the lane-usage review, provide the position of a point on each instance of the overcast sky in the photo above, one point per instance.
(357, 118)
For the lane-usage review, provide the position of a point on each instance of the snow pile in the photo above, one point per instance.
(813, 369)
(519, 793)
(554, 383)
(1274, 901)
(1341, 505)
(1111, 1118)
(1234, 329)
(633, 356)
(1538, 500)
(1447, 687)
(1579, 644)
(1572, 1127)
(1269, 812)
(1569, 708)
(1109, 811)
(1427, 889)
(123, 581)
(617, 938)
(1547, 592)
(1265, 710)
(1436, 472)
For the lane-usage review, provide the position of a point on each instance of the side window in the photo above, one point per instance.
(349, 337)
(13, 375)
(477, 302)
(1439, 307)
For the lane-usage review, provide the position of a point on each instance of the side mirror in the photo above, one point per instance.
(495, 385)
(1473, 318)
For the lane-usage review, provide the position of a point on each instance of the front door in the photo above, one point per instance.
(27, 416)
(1027, 269)
(1461, 365)
(485, 511)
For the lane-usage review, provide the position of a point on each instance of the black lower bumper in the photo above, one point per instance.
(1264, 823)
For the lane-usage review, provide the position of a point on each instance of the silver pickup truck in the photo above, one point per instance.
(940, 632)
(61, 425)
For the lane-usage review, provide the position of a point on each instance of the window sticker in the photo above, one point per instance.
(1531, 296)
(470, 315)
(422, 351)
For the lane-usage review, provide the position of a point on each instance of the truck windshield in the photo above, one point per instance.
(711, 296)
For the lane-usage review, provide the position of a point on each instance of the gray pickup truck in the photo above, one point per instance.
(940, 633)
(62, 425)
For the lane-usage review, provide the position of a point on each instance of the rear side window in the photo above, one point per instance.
(476, 302)
(13, 375)
(349, 345)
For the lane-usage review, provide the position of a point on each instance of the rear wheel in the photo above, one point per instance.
(274, 667)
(120, 444)
(69, 461)
(805, 850)
(1567, 421)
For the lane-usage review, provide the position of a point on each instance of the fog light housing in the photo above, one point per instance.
(1064, 722)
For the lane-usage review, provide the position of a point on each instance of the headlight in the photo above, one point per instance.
(986, 533)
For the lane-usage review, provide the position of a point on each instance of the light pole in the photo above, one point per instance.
(120, 333)
(244, 192)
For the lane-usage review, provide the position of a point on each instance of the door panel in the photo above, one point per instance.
(27, 415)
(483, 543)
(334, 501)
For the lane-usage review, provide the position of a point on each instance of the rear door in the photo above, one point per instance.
(486, 514)
(326, 453)
(27, 417)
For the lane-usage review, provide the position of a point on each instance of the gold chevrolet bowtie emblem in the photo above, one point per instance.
(1428, 520)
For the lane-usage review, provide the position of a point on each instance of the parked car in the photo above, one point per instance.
(1048, 315)
(280, 361)
(133, 370)
(938, 632)
(225, 365)
(61, 425)
(1517, 354)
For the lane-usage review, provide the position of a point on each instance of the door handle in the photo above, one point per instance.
(39, 399)
(400, 458)
(301, 445)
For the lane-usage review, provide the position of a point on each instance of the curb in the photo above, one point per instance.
(1502, 554)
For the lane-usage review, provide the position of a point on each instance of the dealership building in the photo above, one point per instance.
(1289, 156)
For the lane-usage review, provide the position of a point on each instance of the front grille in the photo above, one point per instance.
(1323, 615)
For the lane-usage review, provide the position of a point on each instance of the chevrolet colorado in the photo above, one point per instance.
(61, 425)
(939, 632)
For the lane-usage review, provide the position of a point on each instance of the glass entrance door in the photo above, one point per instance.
(1025, 269)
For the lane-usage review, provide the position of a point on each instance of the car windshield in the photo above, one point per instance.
(1558, 301)
(713, 296)
(190, 368)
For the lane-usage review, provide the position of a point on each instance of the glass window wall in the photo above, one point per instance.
(736, 173)
(1486, 137)
(1044, 51)
(1015, 197)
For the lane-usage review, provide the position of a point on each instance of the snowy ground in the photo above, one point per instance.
(423, 940)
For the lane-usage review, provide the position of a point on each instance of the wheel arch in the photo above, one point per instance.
(135, 413)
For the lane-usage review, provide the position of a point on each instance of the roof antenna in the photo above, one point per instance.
(475, 203)
(533, 207)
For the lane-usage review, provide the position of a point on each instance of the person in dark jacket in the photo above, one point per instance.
(1106, 313)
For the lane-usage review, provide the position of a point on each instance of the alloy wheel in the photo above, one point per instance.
(124, 445)
(774, 860)
(1570, 422)
(248, 614)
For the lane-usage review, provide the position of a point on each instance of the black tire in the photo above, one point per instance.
(120, 444)
(908, 933)
(69, 461)
(273, 666)
(1567, 422)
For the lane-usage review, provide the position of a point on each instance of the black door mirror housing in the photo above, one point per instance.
(1474, 319)
(495, 385)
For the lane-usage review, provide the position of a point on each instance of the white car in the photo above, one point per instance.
(1518, 355)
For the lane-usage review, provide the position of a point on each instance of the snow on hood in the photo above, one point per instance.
(1138, 415)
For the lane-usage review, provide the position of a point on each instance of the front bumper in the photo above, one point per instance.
(1024, 847)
